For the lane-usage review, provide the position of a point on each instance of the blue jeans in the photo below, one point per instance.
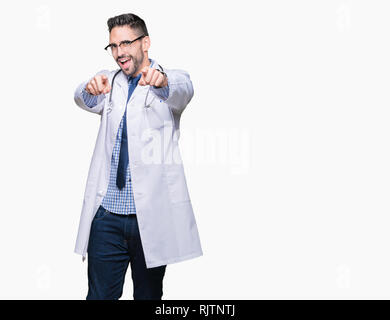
(115, 241)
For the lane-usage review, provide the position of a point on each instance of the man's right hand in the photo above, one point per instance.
(98, 85)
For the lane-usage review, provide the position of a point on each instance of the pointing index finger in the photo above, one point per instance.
(100, 82)
(145, 70)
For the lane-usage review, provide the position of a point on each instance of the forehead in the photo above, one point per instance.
(120, 33)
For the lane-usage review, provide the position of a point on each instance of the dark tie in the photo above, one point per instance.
(124, 154)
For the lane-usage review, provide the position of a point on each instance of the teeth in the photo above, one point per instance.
(123, 61)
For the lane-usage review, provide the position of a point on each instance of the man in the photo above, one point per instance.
(136, 205)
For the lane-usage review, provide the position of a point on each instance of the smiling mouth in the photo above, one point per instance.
(125, 63)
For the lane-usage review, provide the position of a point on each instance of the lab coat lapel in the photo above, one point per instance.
(123, 83)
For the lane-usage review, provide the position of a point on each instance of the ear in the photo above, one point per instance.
(146, 43)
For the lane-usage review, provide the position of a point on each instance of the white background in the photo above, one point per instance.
(285, 144)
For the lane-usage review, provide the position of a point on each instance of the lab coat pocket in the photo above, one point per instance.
(176, 183)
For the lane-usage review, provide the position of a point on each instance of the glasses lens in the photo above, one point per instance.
(125, 44)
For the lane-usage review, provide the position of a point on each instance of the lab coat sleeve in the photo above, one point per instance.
(101, 99)
(181, 90)
(162, 93)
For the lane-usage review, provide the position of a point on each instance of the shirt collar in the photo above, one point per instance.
(130, 79)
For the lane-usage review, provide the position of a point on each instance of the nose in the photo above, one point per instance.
(119, 51)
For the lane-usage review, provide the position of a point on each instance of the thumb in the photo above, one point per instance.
(106, 84)
(107, 88)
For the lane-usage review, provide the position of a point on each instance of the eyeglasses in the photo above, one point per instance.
(112, 48)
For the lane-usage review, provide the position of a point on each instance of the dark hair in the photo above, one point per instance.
(132, 20)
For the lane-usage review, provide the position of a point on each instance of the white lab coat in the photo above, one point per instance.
(167, 225)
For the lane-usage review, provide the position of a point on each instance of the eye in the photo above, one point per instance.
(126, 43)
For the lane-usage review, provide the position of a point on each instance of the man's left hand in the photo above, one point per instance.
(152, 77)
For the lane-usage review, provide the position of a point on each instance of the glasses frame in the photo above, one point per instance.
(127, 42)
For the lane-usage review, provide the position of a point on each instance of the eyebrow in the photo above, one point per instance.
(112, 43)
